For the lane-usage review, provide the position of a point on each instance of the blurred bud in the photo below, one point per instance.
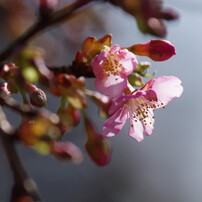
(39, 129)
(30, 74)
(97, 146)
(12, 74)
(37, 96)
(47, 6)
(169, 14)
(152, 26)
(66, 151)
(69, 117)
(72, 88)
(142, 67)
(135, 80)
(157, 50)
(149, 14)
(102, 101)
(10, 71)
(12, 86)
(4, 89)
(92, 46)
(49, 3)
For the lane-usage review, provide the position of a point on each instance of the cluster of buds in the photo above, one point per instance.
(117, 74)
(118, 71)
(149, 14)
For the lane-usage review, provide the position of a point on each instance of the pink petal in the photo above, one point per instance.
(149, 126)
(166, 88)
(129, 62)
(111, 86)
(136, 130)
(115, 123)
(114, 49)
(126, 58)
(97, 64)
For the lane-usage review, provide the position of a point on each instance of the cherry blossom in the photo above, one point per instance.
(138, 107)
(111, 68)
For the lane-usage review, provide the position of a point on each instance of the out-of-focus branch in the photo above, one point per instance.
(42, 24)
(26, 109)
(14, 105)
(20, 176)
(76, 71)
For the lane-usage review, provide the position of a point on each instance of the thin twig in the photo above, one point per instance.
(20, 176)
(74, 70)
(26, 110)
(40, 25)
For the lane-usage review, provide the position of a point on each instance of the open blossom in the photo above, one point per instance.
(111, 68)
(138, 107)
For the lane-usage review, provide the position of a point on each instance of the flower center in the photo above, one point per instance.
(141, 109)
(112, 66)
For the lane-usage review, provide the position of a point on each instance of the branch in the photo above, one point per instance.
(21, 178)
(42, 24)
(25, 109)
(77, 71)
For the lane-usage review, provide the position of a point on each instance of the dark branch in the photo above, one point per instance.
(42, 24)
(20, 176)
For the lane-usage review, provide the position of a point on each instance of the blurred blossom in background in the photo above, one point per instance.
(165, 167)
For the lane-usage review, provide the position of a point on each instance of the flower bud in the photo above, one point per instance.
(135, 80)
(66, 151)
(47, 6)
(69, 117)
(37, 96)
(157, 50)
(103, 102)
(97, 146)
(38, 130)
(49, 3)
(4, 89)
(169, 14)
(12, 86)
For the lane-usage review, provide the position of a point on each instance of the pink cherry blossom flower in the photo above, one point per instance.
(138, 107)
(111, 68)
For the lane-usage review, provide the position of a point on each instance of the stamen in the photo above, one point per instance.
(112, 65)
(140, 109)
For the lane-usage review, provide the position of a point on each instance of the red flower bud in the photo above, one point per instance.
(66, 151)
(4, 89)
(97, 146)
(49, 3)
(157, 50)
(169, 14)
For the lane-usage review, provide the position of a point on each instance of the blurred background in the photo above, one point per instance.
(165, 167)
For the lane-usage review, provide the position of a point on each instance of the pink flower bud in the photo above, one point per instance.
(97, 146)
(157, 50)
(49, 3)
(169, 14)
(66, 151)
(37, 96)
(46, 7)
(4, 89)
